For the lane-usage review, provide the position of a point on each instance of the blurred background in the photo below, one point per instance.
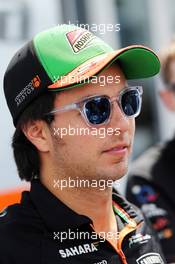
(148, 22)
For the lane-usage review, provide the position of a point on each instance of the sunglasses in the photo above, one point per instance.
(97, 109)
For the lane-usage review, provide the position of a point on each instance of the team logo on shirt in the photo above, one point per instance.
(77, 250)
(150, 258)
(152, 210)
(138, 238)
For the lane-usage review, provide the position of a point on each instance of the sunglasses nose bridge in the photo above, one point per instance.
(118, 119)
(116, 104)
(116, 109)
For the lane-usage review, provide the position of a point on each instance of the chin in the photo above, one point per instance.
(118, 175)
(121, 170)
(114, 172)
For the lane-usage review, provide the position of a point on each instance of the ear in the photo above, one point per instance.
(168, 98)
(37, 133)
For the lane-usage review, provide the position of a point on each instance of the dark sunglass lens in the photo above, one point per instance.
(98, 110)
(131, 102)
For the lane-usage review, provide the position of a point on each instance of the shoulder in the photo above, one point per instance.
(20, 231)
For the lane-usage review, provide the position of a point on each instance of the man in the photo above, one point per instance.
(151, 182)
(53, 85)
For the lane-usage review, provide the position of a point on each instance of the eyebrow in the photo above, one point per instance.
(88, 95)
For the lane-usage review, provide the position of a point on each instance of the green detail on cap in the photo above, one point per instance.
(139, 62)
(59, 57)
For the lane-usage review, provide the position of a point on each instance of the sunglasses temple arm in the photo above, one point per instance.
(64, 109)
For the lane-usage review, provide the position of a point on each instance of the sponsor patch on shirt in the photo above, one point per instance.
(77, 250)
(152, 210)
(102, 262)
(138, 239)
(150, 258)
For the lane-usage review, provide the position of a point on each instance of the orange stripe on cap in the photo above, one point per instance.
(83, 71)
(90, 68)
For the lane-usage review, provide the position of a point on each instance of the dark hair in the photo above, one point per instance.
(25, 153)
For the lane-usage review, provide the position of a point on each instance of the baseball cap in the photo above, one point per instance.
(64, 57)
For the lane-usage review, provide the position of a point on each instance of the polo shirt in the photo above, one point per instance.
(43, 230)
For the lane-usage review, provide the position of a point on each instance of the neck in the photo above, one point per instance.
(92, 202)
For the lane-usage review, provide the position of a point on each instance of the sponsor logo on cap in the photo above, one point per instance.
(94, 62)
(27, 90)
(150, 258)
(36, 81)
(79, 39)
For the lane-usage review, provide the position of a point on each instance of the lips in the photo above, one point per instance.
(118, 148)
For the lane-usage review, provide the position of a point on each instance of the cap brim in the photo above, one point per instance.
(136, 62)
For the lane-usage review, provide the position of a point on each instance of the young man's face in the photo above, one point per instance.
(91, 156)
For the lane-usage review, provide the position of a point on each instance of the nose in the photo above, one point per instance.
(119, 119)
